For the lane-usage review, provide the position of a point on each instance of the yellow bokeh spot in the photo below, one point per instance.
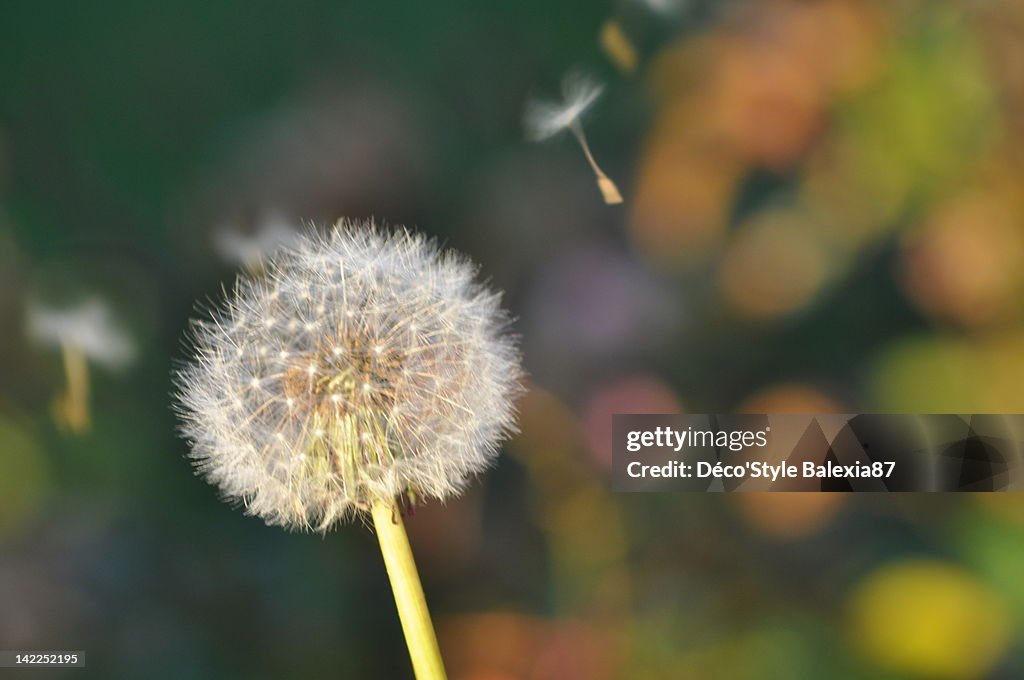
(930, 619)
(618, 47)
(548, 430)
(1007, 506)
(950, 374)
(930, 375)
(773, 267)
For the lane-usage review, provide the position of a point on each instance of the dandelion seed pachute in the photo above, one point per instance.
(358, 367)
(85, 332)
(90, 326)
(543, 119)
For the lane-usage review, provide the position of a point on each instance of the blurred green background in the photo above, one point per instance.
(823, 212)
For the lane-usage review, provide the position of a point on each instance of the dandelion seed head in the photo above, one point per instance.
(544, 118)
(352, 408)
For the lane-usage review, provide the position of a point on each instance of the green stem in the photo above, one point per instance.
(405, 582)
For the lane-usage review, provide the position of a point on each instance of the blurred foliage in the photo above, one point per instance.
(823, 212)
(25, 484)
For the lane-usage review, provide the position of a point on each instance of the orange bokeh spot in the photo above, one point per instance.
(965, 264)
(789, 398)
(788, 515)
(684, 192)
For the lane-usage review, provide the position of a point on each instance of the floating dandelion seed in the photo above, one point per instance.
(249, 249)
(86, 332)
(388, 376)
(666, 6)
(544, 119)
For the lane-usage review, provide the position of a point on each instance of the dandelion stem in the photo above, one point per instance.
(73, 407)
(605, 184)
(577, 131)
(405, 582)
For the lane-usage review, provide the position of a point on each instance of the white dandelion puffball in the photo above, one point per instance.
(360, 366)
